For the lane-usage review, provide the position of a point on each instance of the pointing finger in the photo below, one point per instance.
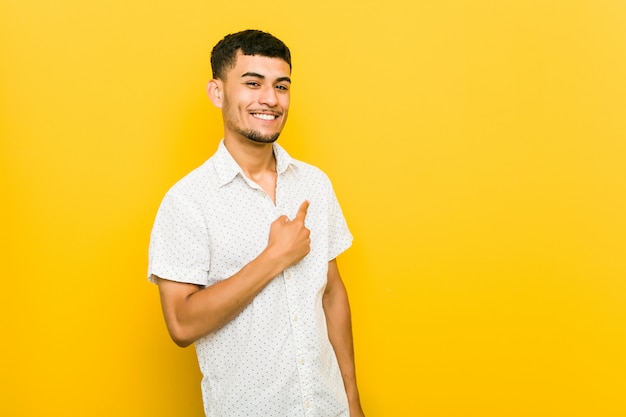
(302, 210)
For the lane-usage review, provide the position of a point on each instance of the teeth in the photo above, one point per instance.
(264, 116)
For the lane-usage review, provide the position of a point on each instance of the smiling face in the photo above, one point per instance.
(254, 98)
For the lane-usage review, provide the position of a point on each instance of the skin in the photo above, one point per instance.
(254, 98)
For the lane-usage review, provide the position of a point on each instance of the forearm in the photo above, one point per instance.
(339, 323)
(192, 315)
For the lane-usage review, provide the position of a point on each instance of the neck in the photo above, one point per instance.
(253, 158)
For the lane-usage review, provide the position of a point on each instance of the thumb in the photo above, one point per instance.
(302, 210)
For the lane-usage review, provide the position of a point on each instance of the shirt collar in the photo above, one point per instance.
(227, 168)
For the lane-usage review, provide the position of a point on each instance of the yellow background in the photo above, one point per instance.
(477, 147)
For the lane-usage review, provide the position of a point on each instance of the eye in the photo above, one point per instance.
(282, 87)
(253, 84)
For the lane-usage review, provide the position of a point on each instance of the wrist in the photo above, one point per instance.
(274, 262)
(355, 408)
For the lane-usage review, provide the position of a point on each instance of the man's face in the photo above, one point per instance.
(256, 98)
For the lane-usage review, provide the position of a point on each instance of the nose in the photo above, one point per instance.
(268, 96)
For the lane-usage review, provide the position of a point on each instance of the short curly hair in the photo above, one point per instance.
(249, 42)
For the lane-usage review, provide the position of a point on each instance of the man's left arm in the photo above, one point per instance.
(339, 323)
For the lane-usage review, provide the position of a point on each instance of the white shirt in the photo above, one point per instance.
(274, 359)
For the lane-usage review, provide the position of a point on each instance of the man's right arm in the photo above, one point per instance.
(192, 312)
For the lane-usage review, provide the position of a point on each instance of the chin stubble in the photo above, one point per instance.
(255, 136)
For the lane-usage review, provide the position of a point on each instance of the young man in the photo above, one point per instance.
(243, 250)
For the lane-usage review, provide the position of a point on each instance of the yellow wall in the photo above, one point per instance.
(478, 148)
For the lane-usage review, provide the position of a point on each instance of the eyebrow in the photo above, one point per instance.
(262, 77)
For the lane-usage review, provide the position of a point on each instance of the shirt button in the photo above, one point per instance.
(295, 318)
(288, 274)
(307, 404)
(301, 361)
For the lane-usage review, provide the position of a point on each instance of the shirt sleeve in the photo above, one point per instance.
(340, 237)
(179, 243)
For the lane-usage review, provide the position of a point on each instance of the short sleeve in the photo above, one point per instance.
(179, 243)
(340, 237)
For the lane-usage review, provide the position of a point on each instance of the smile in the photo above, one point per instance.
(265, 116)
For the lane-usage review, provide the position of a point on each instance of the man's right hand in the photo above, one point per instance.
(289, 240)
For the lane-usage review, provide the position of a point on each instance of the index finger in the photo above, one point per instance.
(302, 210)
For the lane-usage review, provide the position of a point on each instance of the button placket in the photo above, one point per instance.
(299, 338)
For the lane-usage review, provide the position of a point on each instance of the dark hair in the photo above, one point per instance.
(249, 42)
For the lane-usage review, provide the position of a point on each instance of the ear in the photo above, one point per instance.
(215, 91)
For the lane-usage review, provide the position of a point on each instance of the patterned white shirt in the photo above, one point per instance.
(274, 359)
